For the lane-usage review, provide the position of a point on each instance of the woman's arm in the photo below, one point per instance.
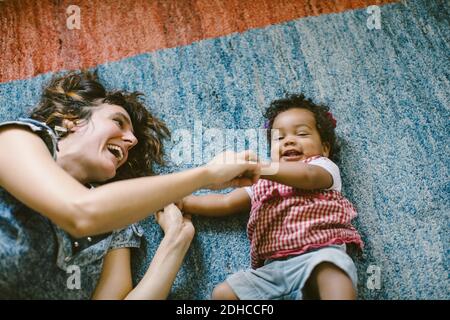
(158, 280)
(29, 173)
(299, 175)
(116, 282)
(215, 205)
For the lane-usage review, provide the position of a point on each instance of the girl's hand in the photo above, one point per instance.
(185, 204)
(231, 169)
(175, 224)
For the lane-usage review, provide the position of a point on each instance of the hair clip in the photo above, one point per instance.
(331, 118)
(60, 131)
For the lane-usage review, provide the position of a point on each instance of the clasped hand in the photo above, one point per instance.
(232, 170)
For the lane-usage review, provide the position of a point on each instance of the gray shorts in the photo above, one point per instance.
(284, 279)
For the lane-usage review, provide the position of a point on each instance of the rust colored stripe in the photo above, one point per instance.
(34, 37)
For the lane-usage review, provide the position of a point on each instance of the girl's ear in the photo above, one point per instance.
(326, 149)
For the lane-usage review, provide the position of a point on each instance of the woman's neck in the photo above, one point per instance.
(70, 162)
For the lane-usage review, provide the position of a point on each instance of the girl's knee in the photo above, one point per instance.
(223, 291)
(331, 282)
(330, 271)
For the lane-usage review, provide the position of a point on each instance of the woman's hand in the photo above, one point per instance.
(175, 224)
(166, 262)
(231, 169)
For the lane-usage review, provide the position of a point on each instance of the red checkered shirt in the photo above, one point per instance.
(286, 221)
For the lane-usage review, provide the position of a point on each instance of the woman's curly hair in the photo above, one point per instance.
(324, 120)
(73, 97)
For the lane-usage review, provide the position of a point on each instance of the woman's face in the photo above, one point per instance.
(95, 149)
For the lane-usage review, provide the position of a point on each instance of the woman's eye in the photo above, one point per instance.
(119, 122)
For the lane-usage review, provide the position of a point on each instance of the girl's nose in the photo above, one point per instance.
(289, 140)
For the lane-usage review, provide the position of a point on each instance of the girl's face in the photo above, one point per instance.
(95, 149)
(296, 136)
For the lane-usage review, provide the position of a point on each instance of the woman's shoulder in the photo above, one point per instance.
(39, 128)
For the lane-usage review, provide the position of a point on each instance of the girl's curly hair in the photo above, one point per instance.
(324, 119)
(73, 97)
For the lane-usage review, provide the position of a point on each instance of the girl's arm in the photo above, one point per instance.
(299, 175)
(30, 174)
(216, 205)
(116, 282)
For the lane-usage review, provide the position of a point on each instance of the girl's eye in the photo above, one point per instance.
(302, 134)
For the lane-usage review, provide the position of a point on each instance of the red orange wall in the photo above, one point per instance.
(34, 37)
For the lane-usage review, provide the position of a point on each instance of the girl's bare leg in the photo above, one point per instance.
(223, 292)
(329, 282)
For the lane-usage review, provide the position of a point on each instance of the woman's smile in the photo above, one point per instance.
(116, 151)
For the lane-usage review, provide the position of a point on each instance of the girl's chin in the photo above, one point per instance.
(291, 159)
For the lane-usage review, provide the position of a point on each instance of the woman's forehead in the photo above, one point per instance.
(109, 109)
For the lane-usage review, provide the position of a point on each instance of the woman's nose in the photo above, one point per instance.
(130, 138)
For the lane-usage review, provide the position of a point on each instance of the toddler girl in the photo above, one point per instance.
(299, 222)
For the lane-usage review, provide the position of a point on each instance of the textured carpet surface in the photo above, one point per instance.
(389, 91)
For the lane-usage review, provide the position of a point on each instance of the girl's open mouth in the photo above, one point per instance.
(291, 155)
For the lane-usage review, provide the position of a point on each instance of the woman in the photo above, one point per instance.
(61, 237)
